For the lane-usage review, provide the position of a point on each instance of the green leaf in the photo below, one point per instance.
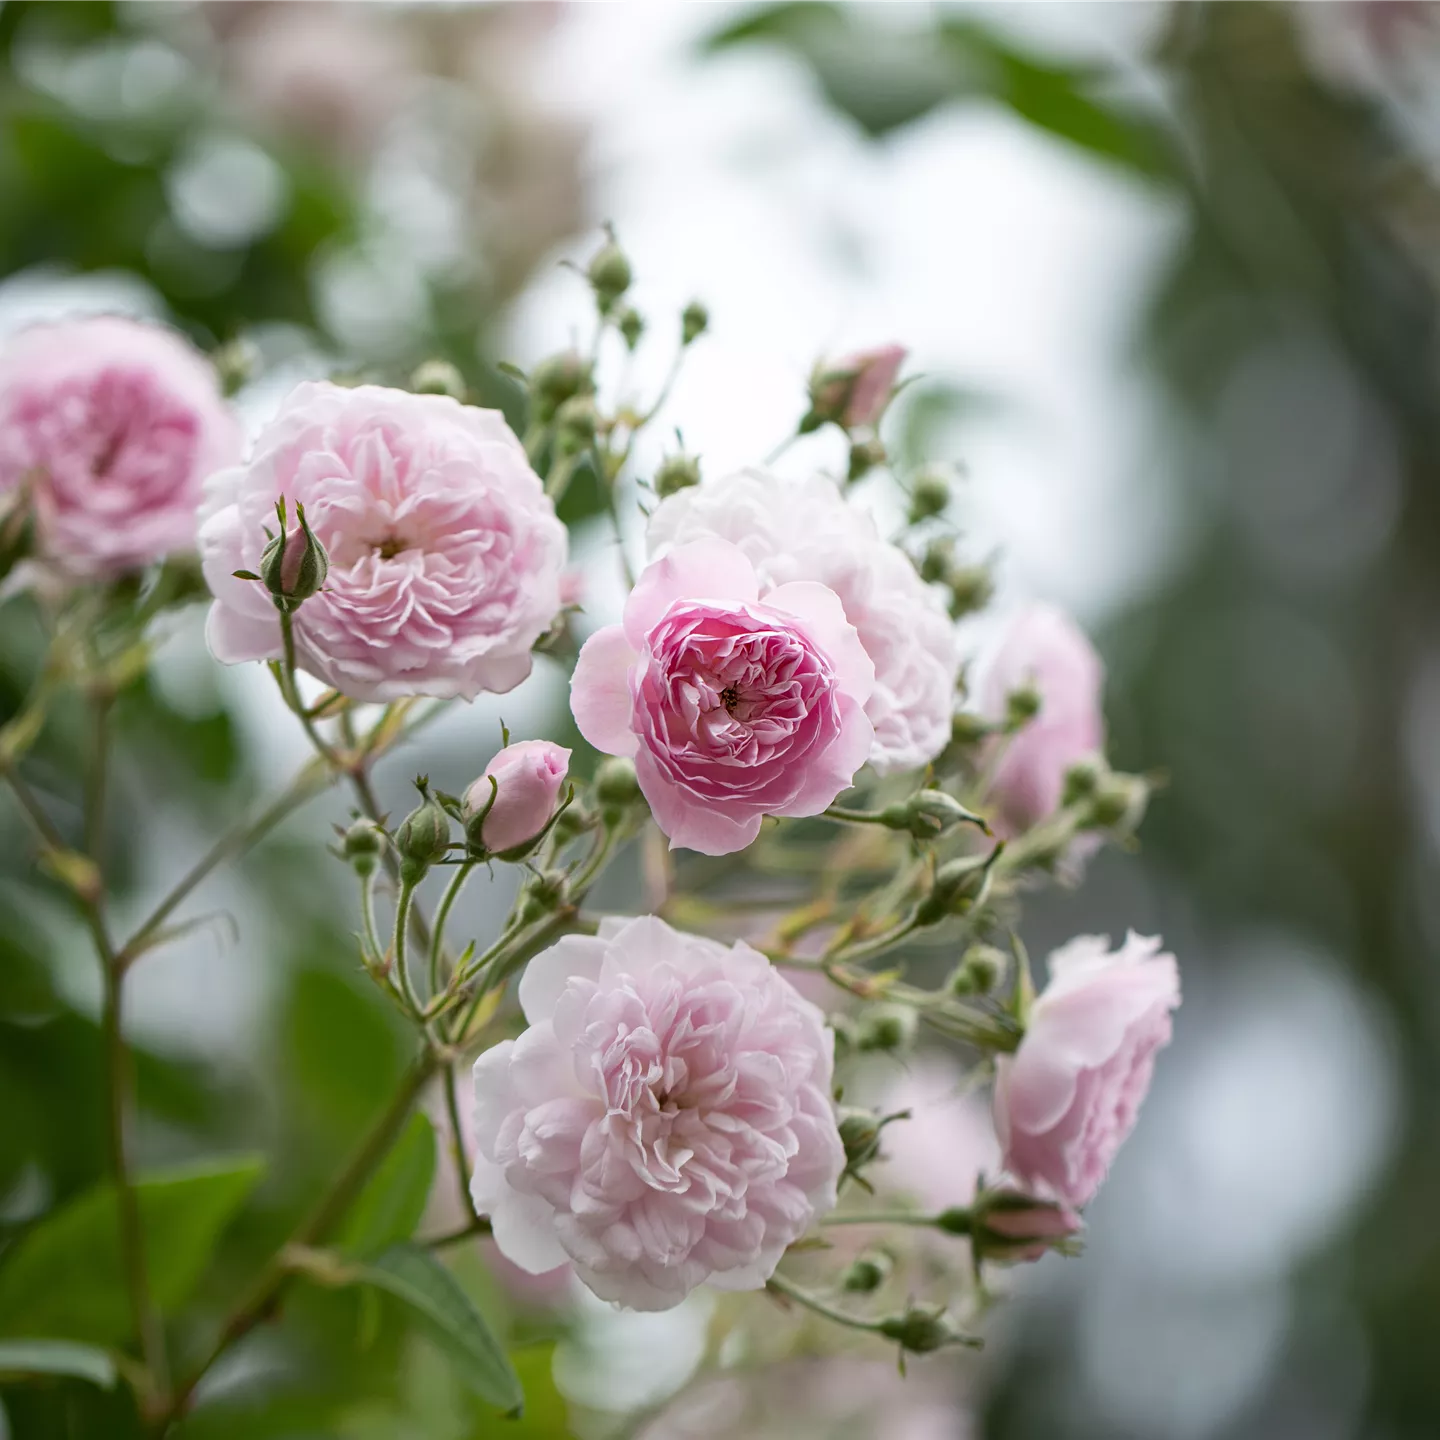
(390, 1206)
(414, 1276)
(64, 1277)
(56, 1357)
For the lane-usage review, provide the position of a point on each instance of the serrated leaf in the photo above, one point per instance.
(57, 1357)
(64, 1278)
(390, 1206)
(415, 1277)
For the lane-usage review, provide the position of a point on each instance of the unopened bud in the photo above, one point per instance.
(694, 322)
(1118, 803)
(508, 810)
(438, 377)
(1082, 779)
(971, 588)
(609, 275)
(1022, 705)
(543, 896)
(293, 566)
(676, 473)
(929, 495)
(362, 846)
(921, 1330)
(865, 455)
(928, 814)
(865, 1275)
(980, 970)
(423, 836)
(937, 560)
(1013, 1227)
(554, 380)
(631, 326)
(575, 424)
(959, 886)
(968, 729)
(860, 1135)
(616, 787)
(888, 1028)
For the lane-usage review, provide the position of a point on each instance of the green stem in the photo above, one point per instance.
(854, 817)
(402, 967)
(442, 915)
(457, 1145)
(291, 691)
(881, 1217)
(259, 1301)
(96, 781)
(480, 1225)
(367, 918)
(781, 1286)
(34, 811)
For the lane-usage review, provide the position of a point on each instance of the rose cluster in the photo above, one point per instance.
(667, 1117)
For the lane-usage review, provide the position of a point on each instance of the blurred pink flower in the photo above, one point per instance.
(529, 776)
(1017, 1227)
(1068, 1097)
(445, 553)
(732, 707)
(808, 530)
(114, 425)
(665, 1121)
(1044, 648)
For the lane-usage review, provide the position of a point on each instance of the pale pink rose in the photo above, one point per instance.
(666, 1120)
(856, 388)
(529, 776)
(807, 530)
(1068, 1097)
(114, 425)
(445, 553)
(733, 707)
(1044, 648)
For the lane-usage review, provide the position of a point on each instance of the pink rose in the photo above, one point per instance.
(114, 425)
(1017, 1228)
(528, 778)
(1068, 1097)
(445, 553)
(665, 1121)
(732, 707)
(855, 390)
(809, 530)
(1046, 649)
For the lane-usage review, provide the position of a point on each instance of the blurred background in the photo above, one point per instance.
(1170, 272)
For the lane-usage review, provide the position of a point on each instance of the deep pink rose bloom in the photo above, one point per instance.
(529, 776)
(115, 424)
(445, 553)
(1068, 1097)
(665, 1121)
(732, 707)
(1045, 648)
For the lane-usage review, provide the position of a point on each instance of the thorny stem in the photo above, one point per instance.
(457, 1145)
(442, 915)
(291, 690)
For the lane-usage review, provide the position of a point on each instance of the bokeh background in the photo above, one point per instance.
(1170, 272)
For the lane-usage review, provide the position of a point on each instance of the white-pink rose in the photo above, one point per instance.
(113, 425)
(529, 776)
(1068, 1097)
(732, 706)
(666, 1120)
(445, 553)
(1044, 648)
(807, 530)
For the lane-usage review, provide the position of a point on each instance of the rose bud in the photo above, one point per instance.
(294, 565)
(1011, 1226)
(423, 836)
(528, 779)
(854, 391)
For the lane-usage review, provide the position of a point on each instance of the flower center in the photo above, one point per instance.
(730, 698)
(390, 547)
